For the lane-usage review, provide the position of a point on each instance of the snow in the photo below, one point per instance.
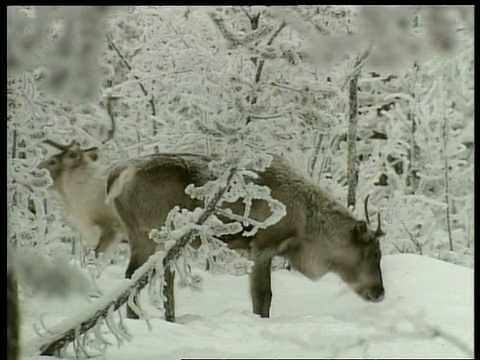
(308, 319)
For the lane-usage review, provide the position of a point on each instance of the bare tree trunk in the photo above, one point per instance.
(414, 154)
(156, 150)
(447, 190)
(254, 21)
(414, 151)
(14, 156)
(352, 174)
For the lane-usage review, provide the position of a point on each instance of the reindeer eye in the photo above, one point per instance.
(72, 155)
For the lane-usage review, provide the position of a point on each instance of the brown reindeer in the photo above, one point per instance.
(317, 235)
(79, 182)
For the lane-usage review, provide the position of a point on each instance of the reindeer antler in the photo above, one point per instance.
(379, 232)
(56, 145)
(365, 208)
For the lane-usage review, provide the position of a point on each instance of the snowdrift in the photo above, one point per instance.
(427, 313)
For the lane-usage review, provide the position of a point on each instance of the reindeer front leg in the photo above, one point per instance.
(260, 282)
(107, 237)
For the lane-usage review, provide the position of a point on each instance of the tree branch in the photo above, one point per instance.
(125, 62)
(258, 73)
(138, 281)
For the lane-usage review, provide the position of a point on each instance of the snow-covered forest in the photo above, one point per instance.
(363, 100)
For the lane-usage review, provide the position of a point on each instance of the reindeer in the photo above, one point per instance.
(79, 182)
(317, 235)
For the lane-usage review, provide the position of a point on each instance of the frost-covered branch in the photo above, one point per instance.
(412, 238)
(69, 330)
(292, 56)
(176, 250)
(210, 208)
(258, 74)
(129, 67)
(407, 329)
(238, 40)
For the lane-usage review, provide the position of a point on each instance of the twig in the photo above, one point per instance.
(246, 13)
(410, 235)
(269, 42)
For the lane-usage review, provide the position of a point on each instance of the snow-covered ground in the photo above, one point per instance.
(427, 313)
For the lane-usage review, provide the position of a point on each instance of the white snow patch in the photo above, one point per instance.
(308, 319)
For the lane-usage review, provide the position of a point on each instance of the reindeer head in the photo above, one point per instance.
(70, 157)
(360, 265)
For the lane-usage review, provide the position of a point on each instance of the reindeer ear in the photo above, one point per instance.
(360, 232)
(360, 227)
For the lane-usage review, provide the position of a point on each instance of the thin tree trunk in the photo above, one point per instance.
(414, 155)
(414, 151)
(447, 190)
(352, 174)
(258, 74)
(156, 150)
(14, 156)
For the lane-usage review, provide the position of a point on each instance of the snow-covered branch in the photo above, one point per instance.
(70, 330)
(236, 40)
